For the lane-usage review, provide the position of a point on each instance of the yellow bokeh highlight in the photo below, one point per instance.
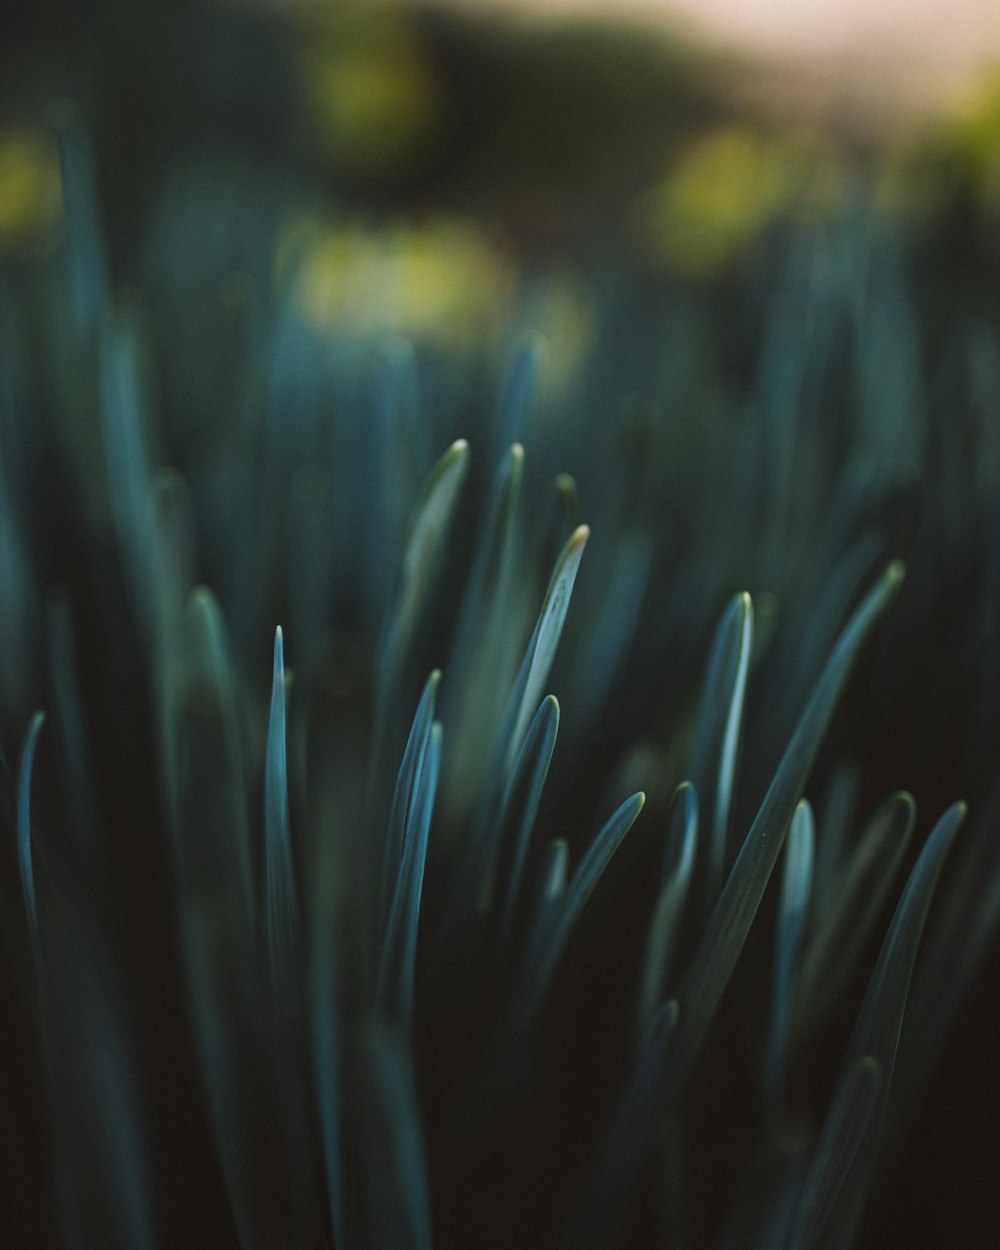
(373, 95)
(441, 280)
(30, 187)
(725, 186)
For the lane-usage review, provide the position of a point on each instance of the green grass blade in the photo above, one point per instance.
(397, 965)
(734, 913)
(281, 911)
(881, 1017)
(847, 1125)
(404, 796)
(549, 938)
(682, 840)
(792, 912)
(24, 853)
(519, 807)
(717, 741)
(845, 924)
(544, 641)
(431, 521)
(400, 1199)
(485, 651)
(875, 1041)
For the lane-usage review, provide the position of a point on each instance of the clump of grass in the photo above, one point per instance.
(456, 931)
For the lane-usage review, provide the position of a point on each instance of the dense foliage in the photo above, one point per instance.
(351, 933)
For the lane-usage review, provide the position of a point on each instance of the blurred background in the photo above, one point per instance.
(661, 135)
(443, 173)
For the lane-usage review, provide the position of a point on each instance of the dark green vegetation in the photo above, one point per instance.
(351, 933)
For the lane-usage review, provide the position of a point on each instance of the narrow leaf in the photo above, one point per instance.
(400, 1212)
(423, 547)
(799, 850)
(549, 938)
(681, 844)
(714, 764)
(545, 639)
(850, 1120)
(281, 903)
(24, 826)
(845, 923)
(520, 803)
(401, 812)
(730, 922)
(399, 950)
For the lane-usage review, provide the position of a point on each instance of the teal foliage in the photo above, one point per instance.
(385, 952)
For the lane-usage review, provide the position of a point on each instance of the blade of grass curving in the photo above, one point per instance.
(24, 827)
(397, 964)
(733, 915)
(521, 705)
(87, 269)
(848, 1123)
(485, 651)
(544, 641)
(401, 811)
(793, 908)
(879, 1024)
(281, 913)
(717, 741)
(431, 521)
(881, 1017)
(218, 906)
(621, 1154)
(205, 776)
(492, 558)
(400, 1208)
(519, 807)
(549, 937)
(682, 837)
(554, 874)
(428, 530)
(964, 922)
(845, 924)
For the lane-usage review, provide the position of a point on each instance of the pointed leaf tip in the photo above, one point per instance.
(24, 823)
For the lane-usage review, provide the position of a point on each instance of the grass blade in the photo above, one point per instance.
(397, 964)
(794, 906)
(549, 938)
(544, 641)
(682, 840)
(24, 826)
(849, 1121)
(431, 521)
(403, 799)
(520, 804)
(714, 765)
(400, 1209)
(734, 913)
(841, 1175)
(845, 924)
(281, 915)
(881, 1017)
